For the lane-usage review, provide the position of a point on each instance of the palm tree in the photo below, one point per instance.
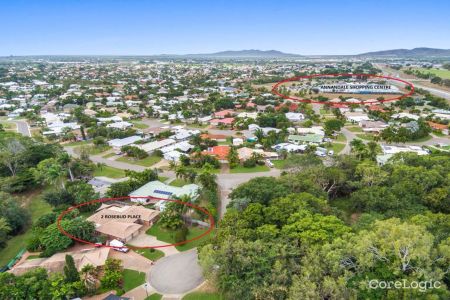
(259, 133)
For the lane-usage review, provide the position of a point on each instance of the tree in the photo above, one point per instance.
(260, 189)
(50, 171)
(4, 230)
(70, 270)
(332, 125)
(233, 158)
(11, 149)
(112, 277)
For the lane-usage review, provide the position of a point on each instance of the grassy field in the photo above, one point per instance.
(109, 155)
(93, 150)
(168, 236)
(146, 162)
(178, 182)
(279, 163)
(354, 129)
(154, 296)
(202, 296)
(241, 169)
(139, 125)
(341, 138)
(444, 74)
(8, 125)
(424, 139)
(132, 279)
(152, 254)
(365, 136)
(336, 147)
(37, 207)
(108, 171)
(79, 143)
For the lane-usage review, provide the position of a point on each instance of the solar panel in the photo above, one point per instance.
(162, 192)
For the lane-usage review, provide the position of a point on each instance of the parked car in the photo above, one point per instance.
(331, 153)
(118, 246)
(269, 163)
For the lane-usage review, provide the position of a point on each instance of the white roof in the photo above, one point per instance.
(152, 146)
(125, 141)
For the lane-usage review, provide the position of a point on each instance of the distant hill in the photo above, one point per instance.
(247, 54)
(410, 52)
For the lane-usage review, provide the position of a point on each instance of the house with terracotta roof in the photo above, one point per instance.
(224, 113)
(219, 152)
(122, 222)
(439, 127)
(225, 121)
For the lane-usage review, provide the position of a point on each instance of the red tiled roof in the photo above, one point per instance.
(437, 126)
(220, 152)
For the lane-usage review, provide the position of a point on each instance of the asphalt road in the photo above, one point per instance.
(177, 273)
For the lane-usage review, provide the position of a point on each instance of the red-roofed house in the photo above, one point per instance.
(226, 121)
(292, 107)
(224, 113)
(219, 152)
(440, 127)
(375, 108)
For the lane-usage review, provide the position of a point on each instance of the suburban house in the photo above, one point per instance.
(310, 138)
(160, 190)
(224, 121)
(439, 127)
(122, 222)
(372, 126)
(219, 152)
(224, 114)
(117, 144)
(356, 117)
(294, 117)
(156, 145)
(389, 151)
(56, 262)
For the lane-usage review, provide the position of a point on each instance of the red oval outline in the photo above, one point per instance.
(210, 216)
(275, 87)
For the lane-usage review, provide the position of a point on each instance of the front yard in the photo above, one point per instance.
(132, 279)
(168, 236)
(242, 169)
(146, 162)
(108, 171)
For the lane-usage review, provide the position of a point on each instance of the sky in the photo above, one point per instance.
(138, 27)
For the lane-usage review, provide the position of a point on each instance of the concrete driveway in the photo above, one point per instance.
(176, 274)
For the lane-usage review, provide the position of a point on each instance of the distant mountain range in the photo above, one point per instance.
(246, 54)
(410, 52)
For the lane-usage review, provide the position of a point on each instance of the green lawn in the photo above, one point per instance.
(109, 155)
(341, 138)
(132, 279)
(108, 171)
(279, 163)
(365, 136)
(168, 236)
(336, 147)
(241, 169)
(178, 182)
(154, 296)
(139, 125)
(202, 296)
(37, 208)
(93, 150)
(444, 74)
(79, 143)
(355, 129)
(424, 139)
(146, 162)
(8, 125)
(152, 254)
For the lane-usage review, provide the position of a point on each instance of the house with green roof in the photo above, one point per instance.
(305, 139)
(159, 190)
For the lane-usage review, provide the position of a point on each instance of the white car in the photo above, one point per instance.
(269, 163)
(331, 153)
